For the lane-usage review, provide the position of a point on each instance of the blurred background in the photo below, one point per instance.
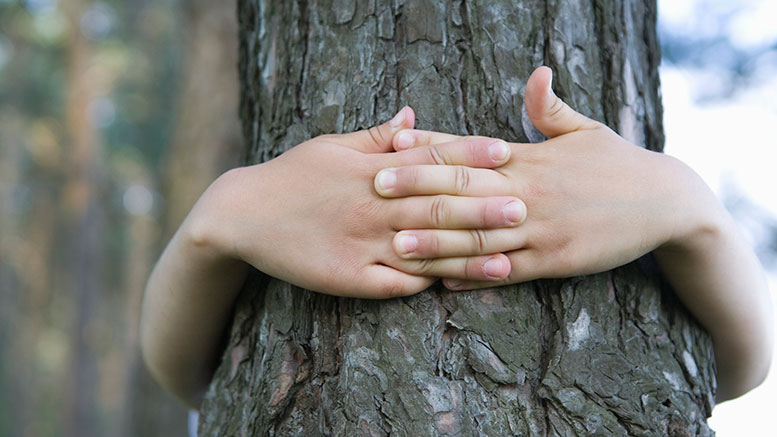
(115, 115)
(719, 86)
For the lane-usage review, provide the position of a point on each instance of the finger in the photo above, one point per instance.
(444, 243)
(494, 267)
(378, 139)
(456, 212)
(440, 179)
(525, 265)
(462, 285)
(409, 138)
(473, 152)
(550, 114)
(384, 282)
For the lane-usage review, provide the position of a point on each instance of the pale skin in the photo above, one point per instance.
(312, 218)
(582, 202)
(619, 203)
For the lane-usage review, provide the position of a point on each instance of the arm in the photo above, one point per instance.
(718, 277)
(186, 307)
(309, 217)
(595, 202)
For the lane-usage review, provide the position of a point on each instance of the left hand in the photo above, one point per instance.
(312, 218)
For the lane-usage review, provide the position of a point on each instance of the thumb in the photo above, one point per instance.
(550, 114)
(378, 139)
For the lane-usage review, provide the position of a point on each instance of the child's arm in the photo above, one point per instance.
(310, 217)
(595, 202)
(718, 277)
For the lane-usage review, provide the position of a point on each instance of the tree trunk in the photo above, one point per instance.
(612, 353)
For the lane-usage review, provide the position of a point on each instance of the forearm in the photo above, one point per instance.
(186, 307)
(717, 275)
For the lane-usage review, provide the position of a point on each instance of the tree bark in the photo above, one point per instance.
(612, 353)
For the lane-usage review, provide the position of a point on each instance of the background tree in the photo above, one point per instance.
(92, 95)
(205, 142)
(613, 353)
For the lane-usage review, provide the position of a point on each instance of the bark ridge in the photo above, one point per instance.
(612, 353)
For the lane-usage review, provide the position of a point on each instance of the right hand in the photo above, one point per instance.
(594, 200)
(311, 216)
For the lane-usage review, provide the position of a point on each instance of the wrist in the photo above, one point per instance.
(210, 227)
(697, 218)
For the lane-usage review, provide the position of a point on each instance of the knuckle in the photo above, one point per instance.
(393, 288)
(339, 272)
(421, 267)
(409, 177)
(376, 135)
(421, 138)
(556, 109)
(363, 212)
(479, 240)
(366, 210)
(439, 212)
(436, 155)
(473, 269)
(484, 216)
(426, 266)
(462, 180)
(433, 243)
(408, 181)
(475, 152)
(536, 190)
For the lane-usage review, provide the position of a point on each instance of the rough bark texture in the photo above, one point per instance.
(613, 353)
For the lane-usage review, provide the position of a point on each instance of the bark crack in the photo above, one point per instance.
(548, 327)
(385, 418)
(461, 81)
(609, 91)
(547, 24)
(338, 340)
(446, 339)
(304, 26)
(396, 373)
(399, 38)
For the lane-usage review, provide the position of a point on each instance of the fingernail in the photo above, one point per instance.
(498, 151)
(452, 284)
(407, 243)
(405, 141)
(398, 119)
(493, 268)
(513, 212)
(386, 179)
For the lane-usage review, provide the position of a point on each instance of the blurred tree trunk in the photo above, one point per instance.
(83, 215)
(612, 353)
(206, 142)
